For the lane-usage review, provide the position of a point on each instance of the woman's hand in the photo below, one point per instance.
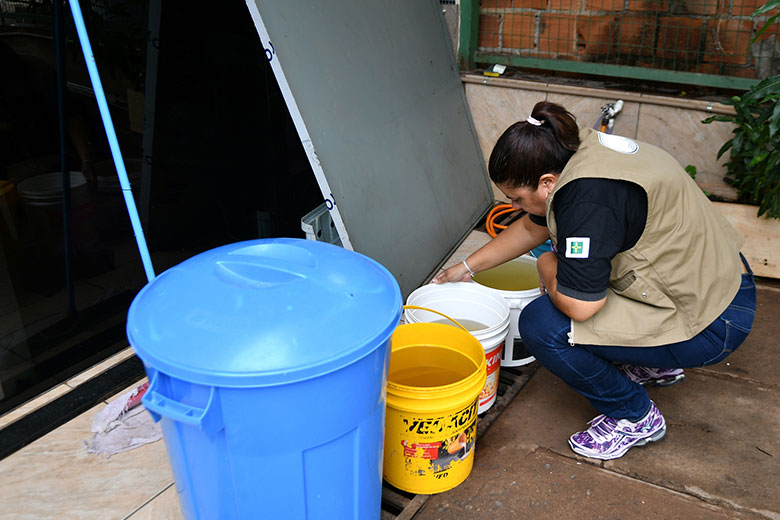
(521, 236)
(547, 265)
(456, 273)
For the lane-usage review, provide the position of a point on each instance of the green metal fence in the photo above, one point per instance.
(696, 42)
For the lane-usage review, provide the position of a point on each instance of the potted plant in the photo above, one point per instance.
(754, 162)
(753, 167)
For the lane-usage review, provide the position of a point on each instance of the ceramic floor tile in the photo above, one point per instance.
(34, 404)
(100, 367)
(164, 506)
(55, 477)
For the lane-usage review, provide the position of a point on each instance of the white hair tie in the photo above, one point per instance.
(534, 121)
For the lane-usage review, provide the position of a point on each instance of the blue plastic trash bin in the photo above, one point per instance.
(267, 363)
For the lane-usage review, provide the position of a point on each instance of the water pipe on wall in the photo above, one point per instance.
(116, 153)
(606, 120)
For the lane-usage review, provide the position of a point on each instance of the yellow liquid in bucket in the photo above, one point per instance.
(511, 276)
(469, 325)
(424, 366)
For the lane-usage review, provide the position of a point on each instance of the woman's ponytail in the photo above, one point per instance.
(543, 143)
(562, 122)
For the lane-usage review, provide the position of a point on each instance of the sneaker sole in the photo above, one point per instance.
(664, 382)
(657, 436)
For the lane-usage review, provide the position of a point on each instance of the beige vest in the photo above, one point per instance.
(683, 271)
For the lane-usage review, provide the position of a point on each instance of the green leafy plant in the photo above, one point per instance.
(691, 169)
(754, 163)
(770, 5)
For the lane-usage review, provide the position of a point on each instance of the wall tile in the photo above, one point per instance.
(587, 110)
(493, 110)
(681, 133)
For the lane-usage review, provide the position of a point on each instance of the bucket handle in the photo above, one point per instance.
(436, 312)
(208, 419)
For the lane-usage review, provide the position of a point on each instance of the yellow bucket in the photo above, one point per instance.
(436, 374)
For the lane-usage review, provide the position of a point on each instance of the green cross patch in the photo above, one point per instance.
(577, 247)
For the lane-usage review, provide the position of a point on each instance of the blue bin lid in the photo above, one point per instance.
(264, 312)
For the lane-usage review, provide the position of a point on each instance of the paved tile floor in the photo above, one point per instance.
(720, 458)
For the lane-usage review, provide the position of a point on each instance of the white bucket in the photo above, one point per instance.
(42, 198)
(483, 313)
(514, 354)
(45, 190)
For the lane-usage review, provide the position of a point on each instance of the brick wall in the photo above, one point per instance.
(706, 36)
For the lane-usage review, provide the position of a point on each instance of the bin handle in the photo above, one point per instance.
(208, 419)
(436, 312)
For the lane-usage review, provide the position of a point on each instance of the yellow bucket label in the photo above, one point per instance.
(435, 449)
(488, 393)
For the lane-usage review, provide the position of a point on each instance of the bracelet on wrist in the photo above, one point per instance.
(468, 268)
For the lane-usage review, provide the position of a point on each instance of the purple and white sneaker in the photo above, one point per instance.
(653, 376)
(609, 438)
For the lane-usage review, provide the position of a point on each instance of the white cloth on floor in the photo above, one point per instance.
(116, 429)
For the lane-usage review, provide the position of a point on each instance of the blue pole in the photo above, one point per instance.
(116, 153)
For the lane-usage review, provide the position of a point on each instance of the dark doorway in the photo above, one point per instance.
(225, 164)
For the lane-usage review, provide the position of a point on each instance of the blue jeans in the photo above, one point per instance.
(589, 369)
